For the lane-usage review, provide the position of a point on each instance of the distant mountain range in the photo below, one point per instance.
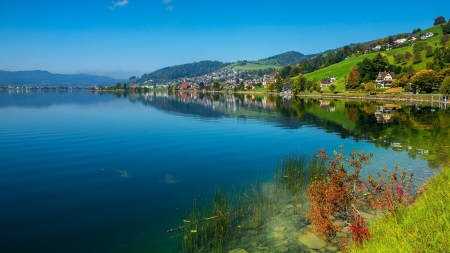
(45, 78)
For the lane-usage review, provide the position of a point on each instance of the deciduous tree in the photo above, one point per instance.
(417, 57)
(445, 87)
(369, 86)
(427, 80)
(299, 84)
(353, 78)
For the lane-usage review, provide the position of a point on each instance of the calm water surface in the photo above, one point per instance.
(89, 172)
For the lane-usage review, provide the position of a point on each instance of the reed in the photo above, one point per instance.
(211, 225)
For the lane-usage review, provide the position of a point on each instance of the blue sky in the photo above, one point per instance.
(131, 37)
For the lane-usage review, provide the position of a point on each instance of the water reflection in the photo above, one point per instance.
(419, 129)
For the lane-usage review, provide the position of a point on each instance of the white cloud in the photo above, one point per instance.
(119, 4)
(169, 8)
(166, 1)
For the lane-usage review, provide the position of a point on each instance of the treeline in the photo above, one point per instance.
(184, 70)
(45, 78)
(288, 58)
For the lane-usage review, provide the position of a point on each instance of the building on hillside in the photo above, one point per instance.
(326, 82)
(184, 86)
(384, 79)
(287, 88)
(267, 80)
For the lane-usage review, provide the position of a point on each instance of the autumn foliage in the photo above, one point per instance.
(339, 196)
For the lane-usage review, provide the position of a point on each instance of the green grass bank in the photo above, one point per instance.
(421, 227)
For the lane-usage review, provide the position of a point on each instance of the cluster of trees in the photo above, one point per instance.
(288, 58)
(330, 58)
(184, 70)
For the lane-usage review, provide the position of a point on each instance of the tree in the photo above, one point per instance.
(439, 20)
(271, 86)
(398, 57)
(420, 46)
(407, 55)
(400, 82)
(332, 87)
(369, 86)
(429, 51)
(445, 87)
(415, 31)
(446, 28)
(417, 57)
(444, 39)
(427, 80)
(353, 78)
(299, 84)
(216, 85)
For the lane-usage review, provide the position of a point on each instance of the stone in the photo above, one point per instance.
(238, 250)
(312, 241)
(281, 243)
(279, 229)
(278, 236)
(282, 249)
(332, 248)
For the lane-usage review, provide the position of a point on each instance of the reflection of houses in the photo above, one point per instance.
(287, 88)
(384, 116)
(326, 105)
(385, 79)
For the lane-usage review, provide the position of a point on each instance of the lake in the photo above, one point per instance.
(111, 172)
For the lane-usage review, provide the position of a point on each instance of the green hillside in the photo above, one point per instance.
(274, 62)
(342, 69)
(253, 65)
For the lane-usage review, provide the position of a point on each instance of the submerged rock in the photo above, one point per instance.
(282, 249)
(312, 241)
(238, 250)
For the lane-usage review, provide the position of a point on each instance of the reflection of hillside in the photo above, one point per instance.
(416, 130)
(47, 98)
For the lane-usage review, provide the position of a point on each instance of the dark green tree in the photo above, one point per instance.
(439, 20)
(417, 57)
(446, 28)
(429, 51)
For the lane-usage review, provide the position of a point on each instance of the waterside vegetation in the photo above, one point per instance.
(340, 209)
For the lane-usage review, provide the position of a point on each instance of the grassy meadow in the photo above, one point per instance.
(421, 227)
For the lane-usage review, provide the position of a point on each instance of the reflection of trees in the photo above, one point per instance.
(420, 131)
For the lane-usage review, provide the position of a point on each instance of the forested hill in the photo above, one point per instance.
(289, 58)
(184, 70)
(44, 78)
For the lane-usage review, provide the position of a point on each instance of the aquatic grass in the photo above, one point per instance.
(296, 171)
(421, 227)
(210, 225)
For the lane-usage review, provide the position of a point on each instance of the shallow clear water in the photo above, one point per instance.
(84, 172)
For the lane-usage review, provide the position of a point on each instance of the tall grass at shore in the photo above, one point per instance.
(209, 225)
(421, 227)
